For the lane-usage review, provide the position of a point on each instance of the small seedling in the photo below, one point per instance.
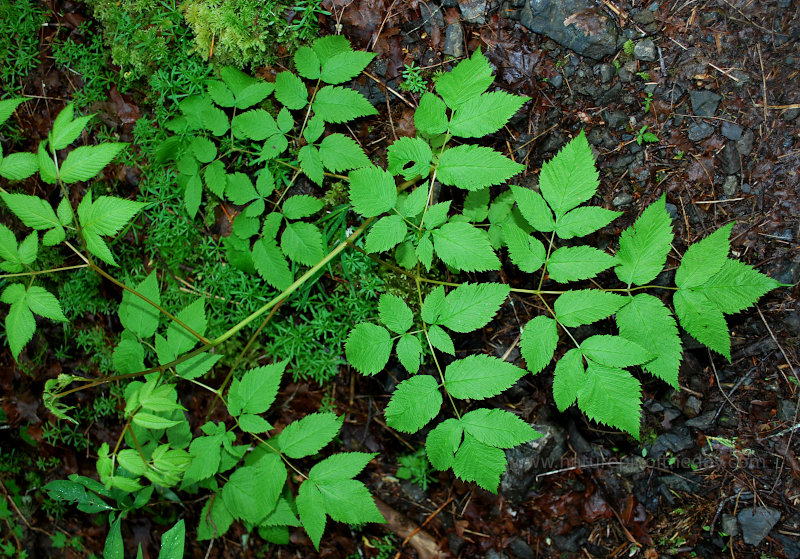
(643, 136)
(413, 82)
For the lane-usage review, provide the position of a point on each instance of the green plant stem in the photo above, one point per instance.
(552, 312)
(546, 259)
(38, 272)
(296, 168)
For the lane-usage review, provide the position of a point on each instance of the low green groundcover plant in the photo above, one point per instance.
(243, 143)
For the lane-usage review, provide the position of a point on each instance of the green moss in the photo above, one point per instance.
(20, 23)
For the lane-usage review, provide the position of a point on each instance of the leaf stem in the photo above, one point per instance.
(38, 272)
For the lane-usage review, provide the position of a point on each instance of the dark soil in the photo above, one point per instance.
(722, 97)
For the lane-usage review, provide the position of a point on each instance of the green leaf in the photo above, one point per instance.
(290, 91)
(8, 106)
(464, 247)
(307, 63)
(526, 251)
(476, 205)
(410, 157)
(47, 167)
(736, 287)
(484, 114)
(585, 306)
(414, 403)
(300, 206)
(256, 124)
(613, 397)
(215, 519)
(311, 509)
(193, 194)
(18, 166)
(285, 120)
(643, 247)
(570, 178)
(498, 428)
(430, 118)
(433, 304)
(84, 162)
(345, 66)
(135, 314)
(436, 215)
(172, 542)
(311, 164)
(197, 366)
(309, 435)
(480, 376)
(98, 247)
(441, 340)
(344, 465)
(271, 264)
(479, 462)
(29, 248)
(252, 94)
(302, 242)
(338, 104)
(282, 515)
(614, 351)
(395, 313)
(314, 129)
(20, 326)
(216, 179)
(349, 501)
(257, 390)
(568, 379)
(8, 247)
(538, 343)
(67, 132)
(240, 189)
(194, 316)
(467, 80)
(703, 320)
(215, 120)
(533, 208)
(442, 443)
(31, 210)
(220, 93)
(424, 251)
(251, 423)
(387, 232)
(368, 348)
(568, 264)
(372, 191)
(206, 453)
(340, 153)
(475, 167)
(646, 321)
(153, 421)
(704, 259)
(329, 46)
(114, 548)
(44, 303)
(107, 215)
(409, 352)
(472, 305)
(584, 220)
(252, 491)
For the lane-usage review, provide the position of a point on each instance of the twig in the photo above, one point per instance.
(763, 82)
(735, 388)
(403, 99)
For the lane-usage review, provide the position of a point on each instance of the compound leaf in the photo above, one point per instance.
(372, 191)
(329, 46)
(443, 442)
(257, 389)
(643, 247)
(570, 178)
(479, 462)
(704, 259)
(480, 376)
(614, 351)
(290, 91)
(340, 153)
(338, 104)
(468, 79)
(498, 428)
(387, 232)
(613, 397)
(307, 436)
(107, 215)
(395, 313)
(475, 167)
(584, 220)
(736, 286)
(84, 162)
(472, 305)
(484, 114)
(368, 348)
(252, 491)
(307, 63)
(414, 403)
(585, 306)
(703, 320)
(538, 343)
(568, 379)
(430, 118)
(409, 157)
(646, 321)
(464, 247)
(568, 264)
(255, 124)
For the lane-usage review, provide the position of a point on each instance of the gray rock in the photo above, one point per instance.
(684, 482)
(616, 119)
(526, 461)
(557, 81)
(744, 145)
(703, 422)
(622, 199)
(574, 24)
(756, 523)
(729, 159)
(607, 72)
(453, 40)
(676, 441)
(692, 406)
(571, 541)
(790, 114)
(473, 11)
(673, 93)
(644, 17)
(730, 130)
(632, 466)
(492, 554)
(672, 210)
(729, 525)
(789, 272)
(700, 131)
(431, 15)
(791, 547)
(786, 410)
(731, 185)
(792, 322)
(645, 50)
(704, 102)
(521, 549)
